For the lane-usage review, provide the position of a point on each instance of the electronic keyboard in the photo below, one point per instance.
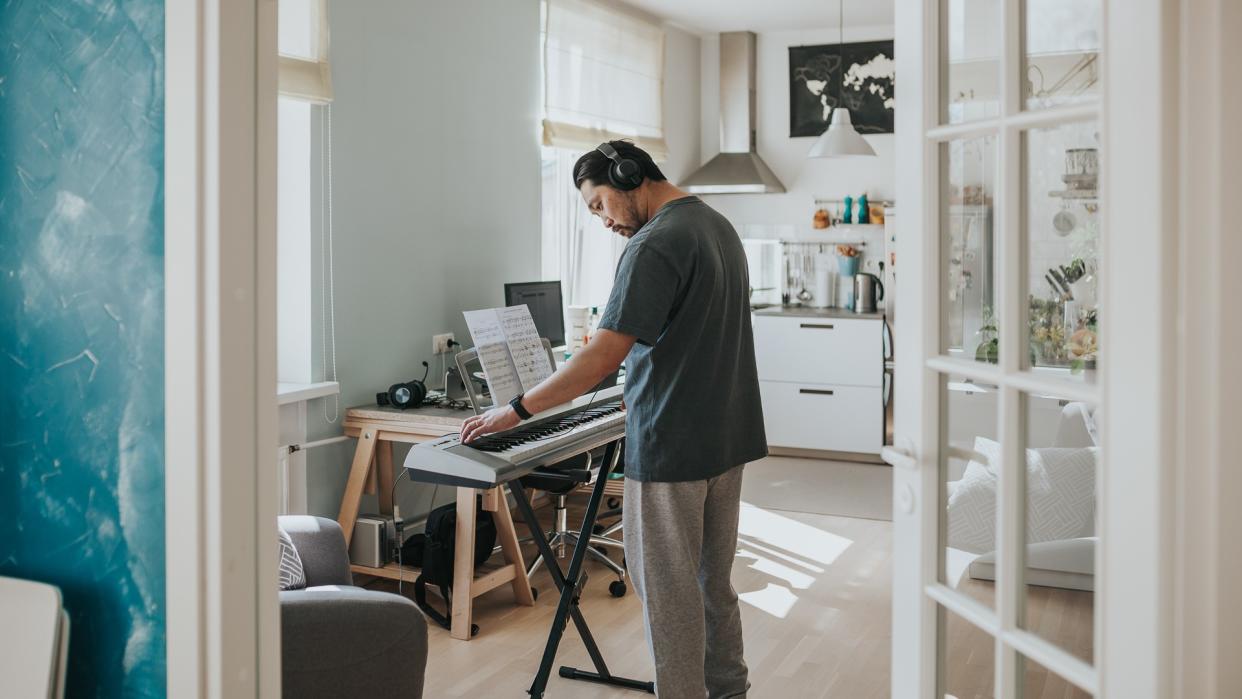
(547, 438)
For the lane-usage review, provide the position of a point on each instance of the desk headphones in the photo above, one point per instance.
(624, 174)
(410, 394)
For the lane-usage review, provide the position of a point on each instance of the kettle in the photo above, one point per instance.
(865, 296)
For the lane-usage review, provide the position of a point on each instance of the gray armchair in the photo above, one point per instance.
(342, 641)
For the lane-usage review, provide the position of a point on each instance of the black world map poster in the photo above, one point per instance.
(816, 86)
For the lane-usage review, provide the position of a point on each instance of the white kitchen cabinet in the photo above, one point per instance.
(822, 416)
(821, 376)
(819, 350)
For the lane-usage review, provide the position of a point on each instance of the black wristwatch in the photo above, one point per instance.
(516, 404)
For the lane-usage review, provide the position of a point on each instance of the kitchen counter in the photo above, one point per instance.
(809, 312)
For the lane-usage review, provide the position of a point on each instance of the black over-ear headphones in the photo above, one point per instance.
(624, 173)
(410, 394)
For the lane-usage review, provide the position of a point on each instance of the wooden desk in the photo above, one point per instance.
(376, 428)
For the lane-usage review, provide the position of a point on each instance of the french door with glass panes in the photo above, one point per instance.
(1003, 349)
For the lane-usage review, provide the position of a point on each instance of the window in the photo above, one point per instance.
(603, 80)
(303, 46)
(576, 249)
(305, 91)
(294, 242)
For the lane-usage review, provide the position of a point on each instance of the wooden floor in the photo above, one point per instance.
(816, 613)
(1064, 617)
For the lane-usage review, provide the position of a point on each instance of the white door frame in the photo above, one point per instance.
(1207, 631)
(223, 636)
(1140, 181)
(1140, 368)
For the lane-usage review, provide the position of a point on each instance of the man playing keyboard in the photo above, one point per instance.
(679, 316)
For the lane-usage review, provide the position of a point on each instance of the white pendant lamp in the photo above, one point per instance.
(840, 139)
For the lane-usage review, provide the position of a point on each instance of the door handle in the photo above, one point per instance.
(899, 457)
(816, 326)
(816, 391)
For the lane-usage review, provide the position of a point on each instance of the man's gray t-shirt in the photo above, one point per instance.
(691, 389)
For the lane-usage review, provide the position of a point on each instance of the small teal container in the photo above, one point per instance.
(847, 216)
(847, 267)
(864, 214)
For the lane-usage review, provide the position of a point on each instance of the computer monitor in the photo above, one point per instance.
(544, 301)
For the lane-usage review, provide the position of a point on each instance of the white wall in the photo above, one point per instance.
(436, 199)
(804, 179)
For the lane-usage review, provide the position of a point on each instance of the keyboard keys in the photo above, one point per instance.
(545, 435)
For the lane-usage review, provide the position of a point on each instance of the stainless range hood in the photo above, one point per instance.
(738, 169)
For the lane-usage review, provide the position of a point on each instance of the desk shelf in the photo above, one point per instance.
(487, 577)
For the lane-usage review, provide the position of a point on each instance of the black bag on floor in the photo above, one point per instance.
(433, 552)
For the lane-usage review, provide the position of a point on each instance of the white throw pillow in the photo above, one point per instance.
(292, 575)
(1060, 486)
(972, 510)
(1060, 493)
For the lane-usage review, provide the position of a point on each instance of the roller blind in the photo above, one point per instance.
(303, 46)
(603, 77)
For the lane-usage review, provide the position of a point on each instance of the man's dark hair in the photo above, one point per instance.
(594, 165)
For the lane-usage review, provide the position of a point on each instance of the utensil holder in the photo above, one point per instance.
(847, 266)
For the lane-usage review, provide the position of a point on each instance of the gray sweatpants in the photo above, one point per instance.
(679, 544)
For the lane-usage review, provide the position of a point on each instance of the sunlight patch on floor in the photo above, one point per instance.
(780, 555)
(774, 599)
(763, 564)
(790, 535)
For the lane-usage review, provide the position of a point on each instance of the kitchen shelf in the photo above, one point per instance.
(886, 203)
(1080, 194)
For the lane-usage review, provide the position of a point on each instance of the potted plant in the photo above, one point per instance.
(1084, 346)
(988, 349)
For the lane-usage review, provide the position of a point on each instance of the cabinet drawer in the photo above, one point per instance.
(819, 416)
(820, 350)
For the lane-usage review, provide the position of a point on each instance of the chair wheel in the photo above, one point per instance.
(613, 503)
(616, 588)
(474, 630)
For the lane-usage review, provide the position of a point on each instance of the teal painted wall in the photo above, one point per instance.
(82, 326)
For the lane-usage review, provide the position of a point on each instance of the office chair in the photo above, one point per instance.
(558, 481)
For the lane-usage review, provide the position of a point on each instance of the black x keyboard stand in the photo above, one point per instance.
(570, 584)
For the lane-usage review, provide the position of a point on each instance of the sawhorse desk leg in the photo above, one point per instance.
(507, 535)
(356, 482)
(383, 466)
(465, 586)
(463, 566)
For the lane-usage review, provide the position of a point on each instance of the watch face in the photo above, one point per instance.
(401, 396)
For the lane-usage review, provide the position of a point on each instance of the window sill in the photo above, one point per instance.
(288, 393)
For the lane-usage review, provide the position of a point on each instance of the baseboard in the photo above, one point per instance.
(861, 458)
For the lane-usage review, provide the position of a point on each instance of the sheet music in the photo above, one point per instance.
(529, 357)
(489, 337)
(512, 355)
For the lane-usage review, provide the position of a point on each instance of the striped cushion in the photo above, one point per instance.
(292, 577)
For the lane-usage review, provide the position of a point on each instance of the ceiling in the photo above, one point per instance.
(715, 16)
